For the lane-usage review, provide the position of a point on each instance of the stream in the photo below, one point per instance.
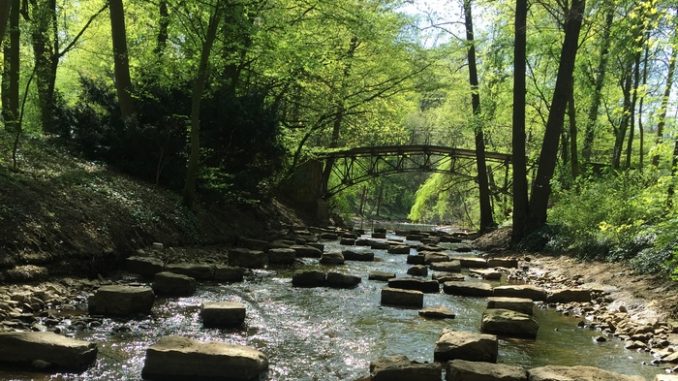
(332, 334)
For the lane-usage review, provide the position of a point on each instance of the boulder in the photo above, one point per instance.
(307, 251)
(400, 368)
(416, 260)
(437, 313)
(182, 359)
(364, 256)
(511, 263)
(171, 284)
(509, 323)
(521, 291)
(569, 295)
(577, 373)
(402, 298)
(430, 257)
(467, 288)
(339, 280)
(470, 262)
(462, 370)
(282, 256)
(448, 266)
(487, 274)
(144, 266)
(522, 305)
(418, 270)
(251, 259)
(222, 314)
(399, 249)
(448, 277)
(199, 271)
(423, 285)
(381, 276)
(118, 300)
(309, 278)
(466, 346)
(229, 274)
(334, 258)
(52, 350)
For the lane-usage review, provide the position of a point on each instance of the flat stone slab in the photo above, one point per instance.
(402, 298)
(339, 280)
(332, 259)
(509, 323)
(222, 314)
(228, 274)
(400, 368)
(437, 313)
(399, 249)
(569, 295)
(448, 277)
(199, 271)
(306, 251)
(144, 266)
(362, 256)
(478, 289)
(487, 274)
(470, 262)
(119, 300)
(423, 285)
(510, 263)
(522, 305)
(381, 276)
(311, 278)
(379, 245)
(448, 266)
(251, 259)
(577, 373)
(418, 270)
(431, 257)
(521, 291)
(59, 352)
(182, 359)
(416, 260)
(282, 256)
(171, 284)
(466, 346)
(462, 370)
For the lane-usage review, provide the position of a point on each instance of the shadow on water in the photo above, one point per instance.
(331, 335)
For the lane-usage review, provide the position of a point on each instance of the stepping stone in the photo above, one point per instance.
(379, 245)
(462, 370)
(423, 285)
(306, 251)
(118, 300)
(254, 244)
(309, 278)
(182, 359)
(431, 248)
(479, 289)
(378, 235)
(223, 273)
(487, 274)
(430, 257)
(437, 313)
(350, 255)
(282, 256)
(522, 305)
(316, 245)
(400, 368)
(144, 266)
(339, 280)
(251, 259)
(222, 314)
(463, 249)
(469, 262)
(347, 241)
(329, 236)
(332, 259)
(569, 295)
(448, 277)
(509, 323)
(418, 270)
(414, 237)
(577, 373)
(449, 266)
(362, 242)
(199, 271)
(48, 349)
(381, 276)
(510, 263)
(399, 249)
(466, 346)
(416, 260)
(379, 230)
(521, 291)
(171, 284)
(402, 298)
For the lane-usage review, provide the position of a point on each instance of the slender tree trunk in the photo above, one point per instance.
(572, 118)
(123, 82)
(12, 70)
(624, 123)
(541, 187)
(198, 88)
(363, 199)
(520, 200)
(380, 198)
(45, 49)
(589, 133)
(665, 101)
(674, 168)
(486, 219)
(5, 10)
(641, 131)
(163, 26)
(632, 110)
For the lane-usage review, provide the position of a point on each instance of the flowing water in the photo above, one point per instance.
(326, 334)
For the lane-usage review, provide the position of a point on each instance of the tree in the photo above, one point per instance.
(667, 93)
(12, 70)
(520, 196)
(5, 10)
(486, 218)
(123, 82)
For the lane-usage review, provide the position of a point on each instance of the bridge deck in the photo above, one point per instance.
(412, 149)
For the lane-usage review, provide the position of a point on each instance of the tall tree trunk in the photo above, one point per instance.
(589, 133)
(5, 10)
(163, 26)
(520, 200)
(632, 110)
(123, 82)
(572, 119)
(665, 100)
(12, 70)
(641, 131)
(486, 219)
(541, 187)
(198, 88)
(624, 123)
(45, 49)
(674, 168)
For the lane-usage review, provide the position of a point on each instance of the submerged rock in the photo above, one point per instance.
(222, 314)
(400, 368)
(577, 373)
(466, 346)
(179, 358)
(402, 298)
(437, 313)
(509, 323)
(121, 301)
(462, 370)
(171, 284)
(46, 349)
(339, 280)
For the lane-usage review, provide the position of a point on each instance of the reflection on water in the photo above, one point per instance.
(330, 335)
